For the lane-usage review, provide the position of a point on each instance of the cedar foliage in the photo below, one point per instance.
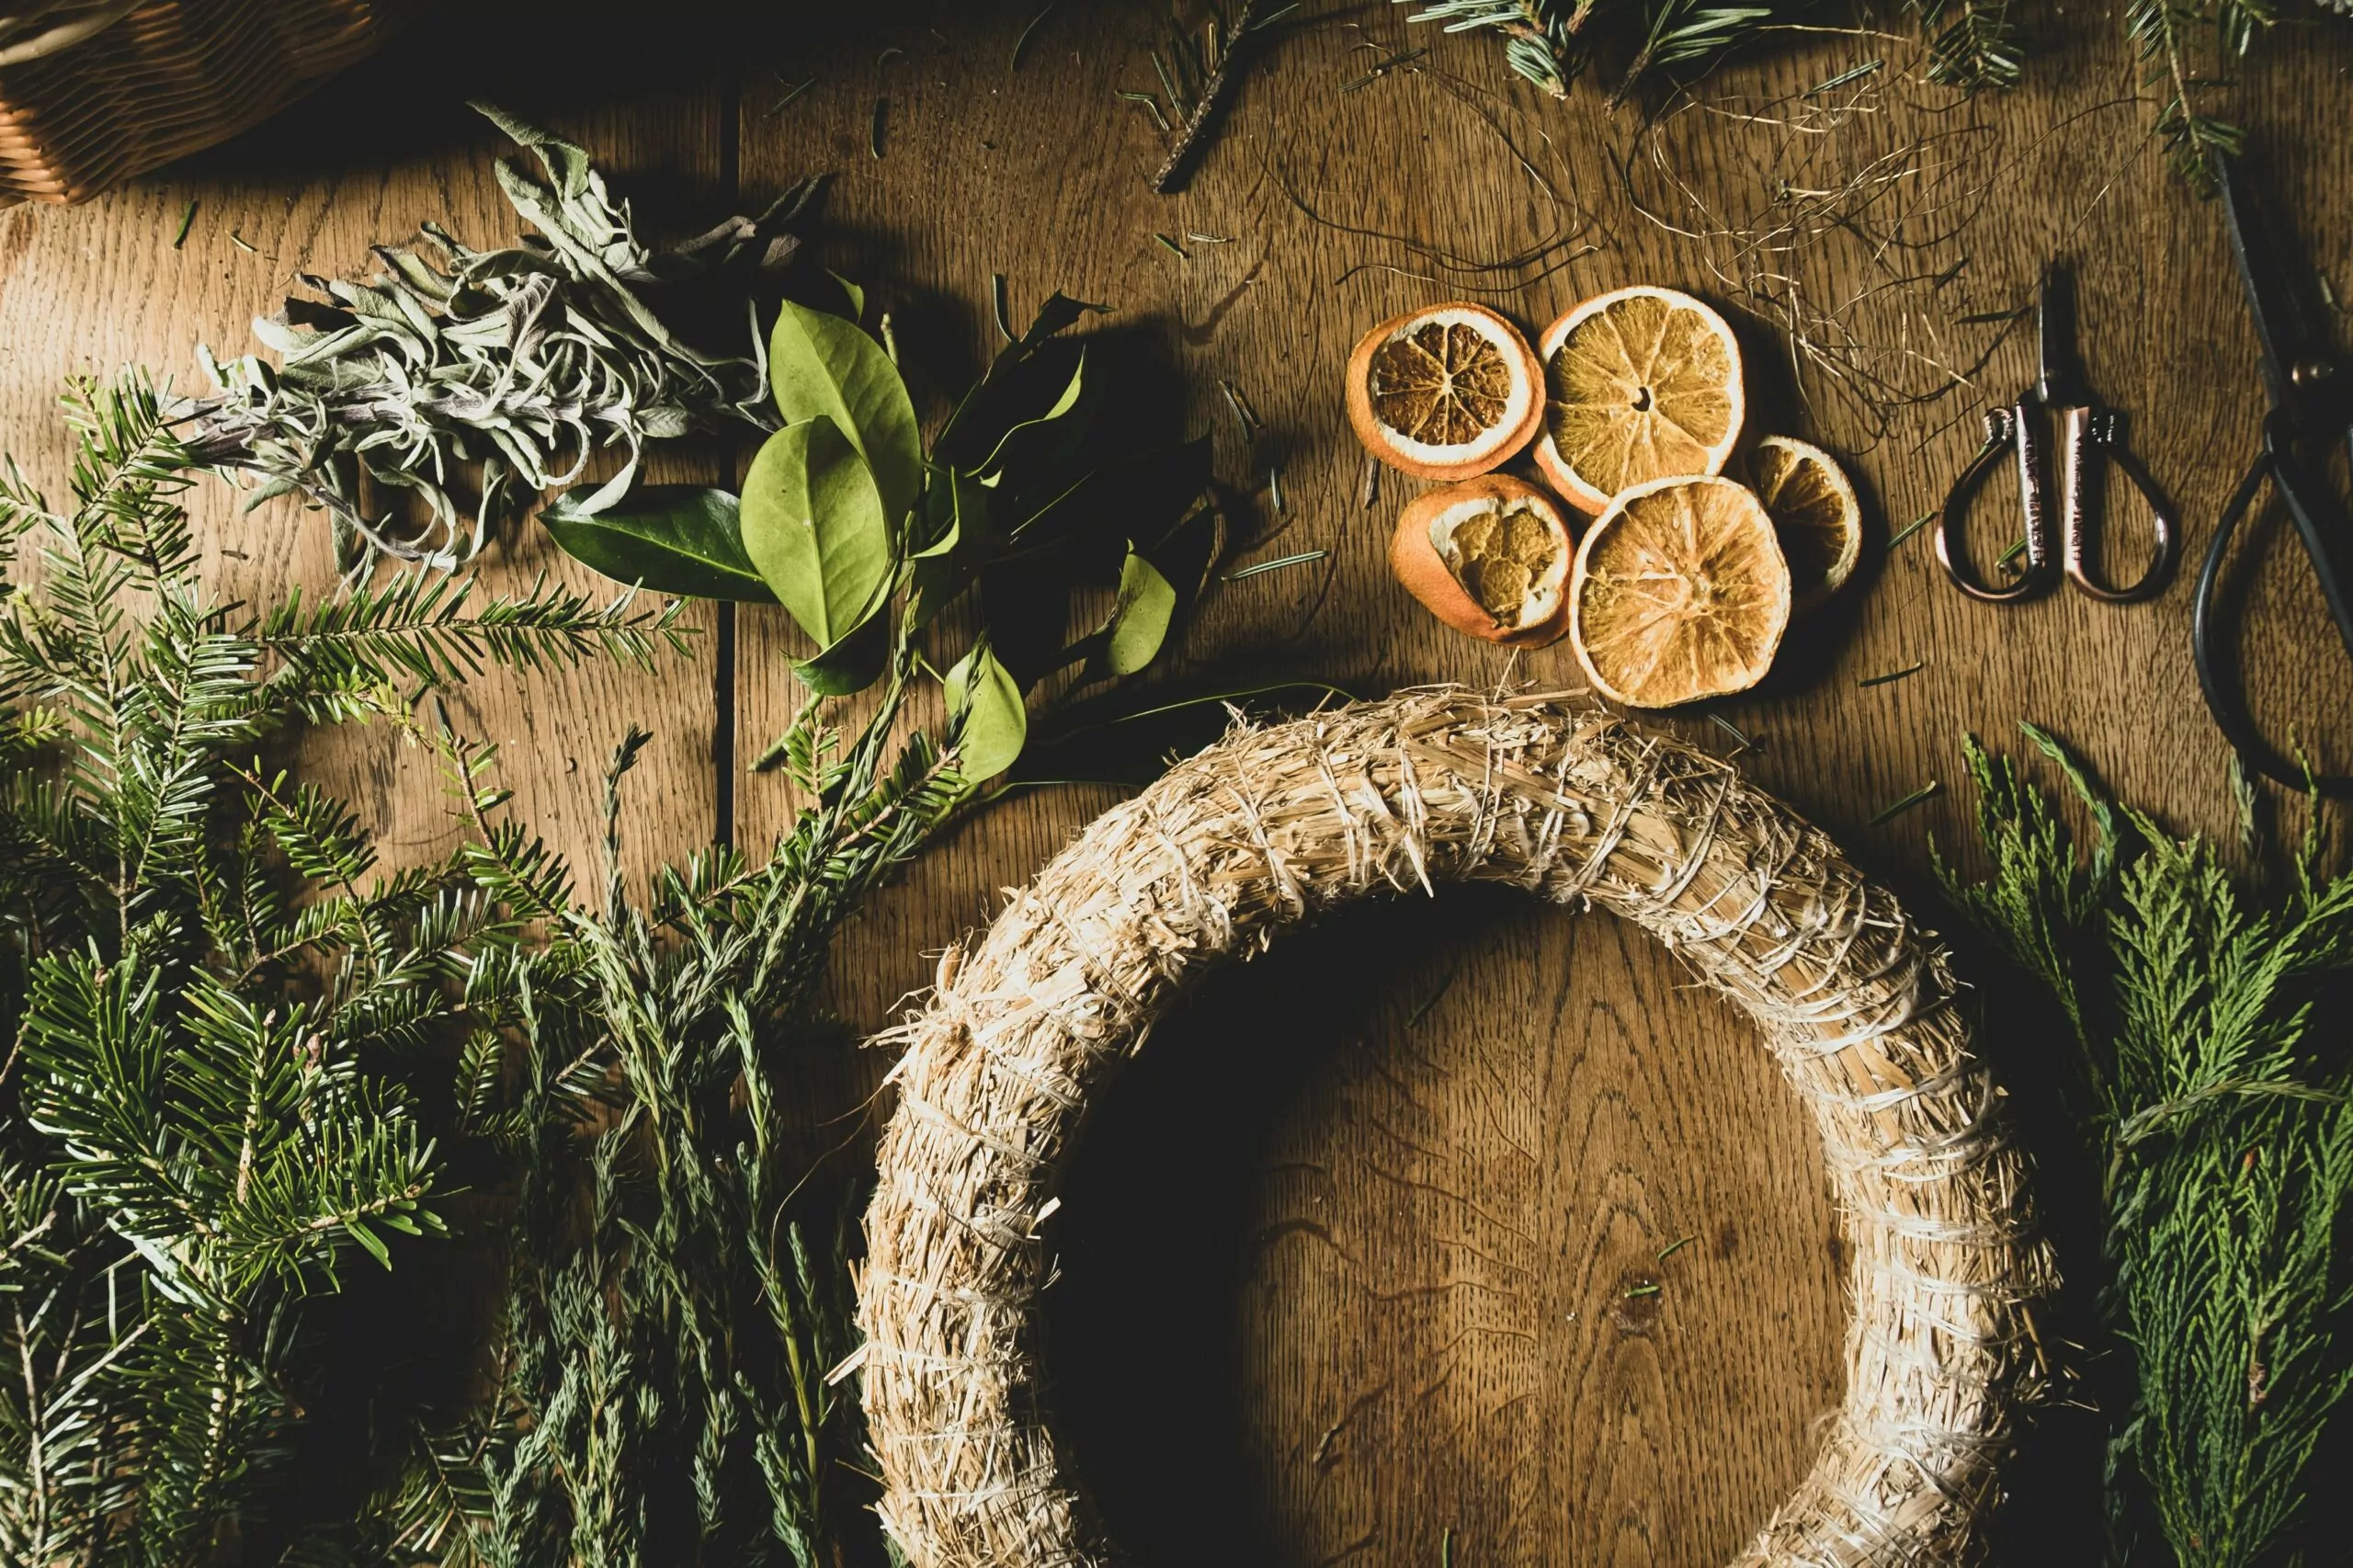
(2218, 1096)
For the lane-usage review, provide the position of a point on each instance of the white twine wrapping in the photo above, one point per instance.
(1272, 825)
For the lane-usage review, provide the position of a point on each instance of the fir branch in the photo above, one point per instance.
(1679, 32)
(1542, 39)
(1972, 44)
(2183, 45)
(1197, 69)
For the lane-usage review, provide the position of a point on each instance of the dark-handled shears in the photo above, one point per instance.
(2091, 439)
(2310, 393)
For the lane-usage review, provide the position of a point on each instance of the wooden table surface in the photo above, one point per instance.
(1348, 1259)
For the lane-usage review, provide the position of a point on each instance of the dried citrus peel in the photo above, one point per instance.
(1446, 393)
(1640, 383)
(1490, 557)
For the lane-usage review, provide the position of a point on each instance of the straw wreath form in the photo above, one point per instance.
(1271, 826)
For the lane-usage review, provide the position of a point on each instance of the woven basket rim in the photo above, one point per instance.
(94, 17)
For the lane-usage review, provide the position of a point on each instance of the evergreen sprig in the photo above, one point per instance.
(209, 998)
(2221, 1103)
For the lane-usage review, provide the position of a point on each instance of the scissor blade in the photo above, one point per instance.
(2062, 383)
(2283, 325)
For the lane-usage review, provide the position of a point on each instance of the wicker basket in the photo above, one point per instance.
(92, 92)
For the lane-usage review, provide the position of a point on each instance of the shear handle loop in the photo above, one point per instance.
(2005, 428)
(2217, 676)
(2092, 433)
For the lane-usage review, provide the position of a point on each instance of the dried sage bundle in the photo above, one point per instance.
(524, 361)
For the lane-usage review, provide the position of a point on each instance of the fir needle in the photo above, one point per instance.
(874, 135)
(887, 56)
(1905, 804)
(1004, 310)
(1884, 676)
(1446, 1547)
(1277, 564)
(1208, 239)
(1151, 103)
(1644, 1290)
(1671, 1249)
(1171, 247)
(1914, 526)
(2010, 556)
(188, 221)
(1386, 66)
(1021, 44)
(1240, 404)
(791, 93)
(1729, 728)
(240, 241)
(1372, 481)
(1855, 73)
(1275, 488)
(1424, 1010)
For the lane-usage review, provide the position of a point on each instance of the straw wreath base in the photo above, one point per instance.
(1272, 825)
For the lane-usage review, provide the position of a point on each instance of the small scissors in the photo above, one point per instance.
(2088, 429)
(2311, 392)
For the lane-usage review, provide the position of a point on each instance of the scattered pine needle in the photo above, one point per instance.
(1021, 44)
(1302, 559)
(1275, 488)
(874, 133)
(886, 55)
(791, 93)
(1898, 808)
(1199, 239)
(1914, 526)
(1446, 1547)
(1386, 66)
(243, 244)
(1729, 728)
(1886, 675)
(188, 221)
(1004, 310)
(1671, 1249)
(1171, 247)
(1241, 406)
(1853, 73)
(1151, 103)
(1642, 1290)
(1424, 1010)
(1372, 481)
(2011, 556)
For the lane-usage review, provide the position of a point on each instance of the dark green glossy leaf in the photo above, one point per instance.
(813, 524)
(958, 541)
(822, 366)
(989, 722)
(1045, 440)
(851, 665)
(667, 538)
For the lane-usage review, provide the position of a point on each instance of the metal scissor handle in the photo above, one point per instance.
(2013, 428)
(2094, 430)
(2226, 696)
(2085, 433)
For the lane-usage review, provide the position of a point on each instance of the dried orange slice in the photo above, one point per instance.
(1446, 393)
(1814, 513)
(1638, 383)
(1679, 593)
(1490, 557)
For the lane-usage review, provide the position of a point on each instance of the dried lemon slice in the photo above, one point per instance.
(1679, 593)
(1640, 383)
(1490, 557)
(1446, 393)
(1814, 513)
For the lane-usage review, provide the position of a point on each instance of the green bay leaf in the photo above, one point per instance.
(684, 539)
(989, 722)
(814, 528)
(1140, 623)
(822, 365)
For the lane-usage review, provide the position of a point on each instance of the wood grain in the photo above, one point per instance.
(1388, 1300)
